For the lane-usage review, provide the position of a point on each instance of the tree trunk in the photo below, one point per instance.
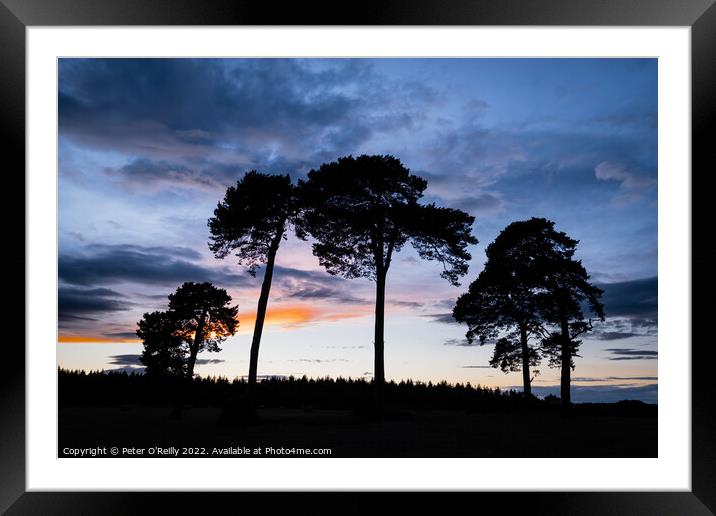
(566, 364)
(526, 382)
(195, 346)
(187, 381)
(379, 368)
(260, 317)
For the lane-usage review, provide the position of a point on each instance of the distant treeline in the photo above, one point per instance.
(98, 388)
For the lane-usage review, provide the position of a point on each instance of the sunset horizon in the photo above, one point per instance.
(148, 147)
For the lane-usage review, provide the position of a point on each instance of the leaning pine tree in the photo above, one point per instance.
(251, 222)
(361, 211)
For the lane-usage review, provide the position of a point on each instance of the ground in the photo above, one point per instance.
(414, 433)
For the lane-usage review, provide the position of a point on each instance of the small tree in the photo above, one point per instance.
(199, 318)
(164, 353)
(362, 210)
(251, 222)
(203, 318)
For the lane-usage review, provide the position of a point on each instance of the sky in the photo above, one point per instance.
(147, 148)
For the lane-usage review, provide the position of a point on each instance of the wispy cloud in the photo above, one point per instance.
(631, 354)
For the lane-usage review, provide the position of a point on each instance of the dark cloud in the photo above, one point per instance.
(134, 360)
(631, 354)
(74, 303)
(630, 351)
(406, 304)
(446, 318)
(631, 309)
(143, 172)
(319, 360)
(122, 335)
(645, 357)
(70, 317)
(284, 115)
(625, 328)
(201, 361)
(308, 291)
(613, 378)
(614, 335)
(446, 303)
(638, 298)
(108, 264)
(459, 342)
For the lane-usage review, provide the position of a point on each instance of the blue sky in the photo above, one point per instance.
(147, 148)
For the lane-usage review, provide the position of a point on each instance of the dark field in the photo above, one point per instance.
(411, 434)
(98, 410)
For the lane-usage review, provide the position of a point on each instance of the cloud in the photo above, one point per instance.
(313, 291)
(110, 264)
(405, 304)
(630, 179)
(631, 309)
(615, 378)
(445, 318)
(319, 360)
(465, 191)
(293, 316)
(282, 115)
(459, 342)
(631, 298)
(75, 303)
(124, 335)
(614, 335)
(135, 360)
(631, 354)
(142, 173)
(478, 204)
(132, 359)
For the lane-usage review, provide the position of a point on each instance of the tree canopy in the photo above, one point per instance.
(362, 210)
(199, 317)
(164, 353)
(252, 218)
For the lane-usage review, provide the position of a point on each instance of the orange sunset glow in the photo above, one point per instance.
(70, 339)
(289, 316)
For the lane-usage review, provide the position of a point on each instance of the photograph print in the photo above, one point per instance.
(399, 257)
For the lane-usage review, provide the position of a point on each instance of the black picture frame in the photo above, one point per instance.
(699, 15)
